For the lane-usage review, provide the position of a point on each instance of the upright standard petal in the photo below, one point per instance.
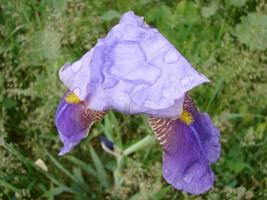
(77, 76)
(189, 147)
(73, 121)
(134, 70)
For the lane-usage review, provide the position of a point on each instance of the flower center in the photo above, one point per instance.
(187, 117)
(72, 98)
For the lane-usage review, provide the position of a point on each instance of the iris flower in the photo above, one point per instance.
(136, 70)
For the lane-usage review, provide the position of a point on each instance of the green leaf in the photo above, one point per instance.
(162, 193)
(110, 15)
(1, 87)
(86, 167)
(100, 170)
(187, 12)
(215, 93)
(111, 129)
(210, 10)
(252, 31)
(58, 5)
(60, 166)
(9, 103)
(236, 3)
(159, 15)
(107, 127)
(56, 191)
(45, 44)
(8, 186)
(28, 162)
(78, 175)
(237, 166)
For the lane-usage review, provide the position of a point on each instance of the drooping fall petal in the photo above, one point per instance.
(73, 121)
(188, 150)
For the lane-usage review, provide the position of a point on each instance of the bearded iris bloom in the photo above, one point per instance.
(136, 70)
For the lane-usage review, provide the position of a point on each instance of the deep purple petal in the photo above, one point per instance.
(71, 124)
(209, 135)
(206, 132)
(185, 166)
(189, 150)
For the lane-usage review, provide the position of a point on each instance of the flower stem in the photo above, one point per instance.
(144, 143)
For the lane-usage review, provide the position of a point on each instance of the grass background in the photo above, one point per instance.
(224, 39)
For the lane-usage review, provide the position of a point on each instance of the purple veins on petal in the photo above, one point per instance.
(134, 70)
(188, 150)
(73, 121)
(77, 76)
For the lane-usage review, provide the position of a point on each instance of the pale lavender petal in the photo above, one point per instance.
(76, 76)
(134, 69)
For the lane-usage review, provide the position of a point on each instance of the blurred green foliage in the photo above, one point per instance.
(224, 39)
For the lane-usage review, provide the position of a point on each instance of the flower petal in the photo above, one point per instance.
(76, 76)
(73, 122)
(184, 164)
(188, 149)
(133, 70)
(205, 131)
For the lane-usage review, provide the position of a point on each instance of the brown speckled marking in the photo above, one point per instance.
(92, 115)
(188, 101)
(161, 128)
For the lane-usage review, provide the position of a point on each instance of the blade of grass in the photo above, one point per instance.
(115, 127)
(59, 165)
(106, 131)
(100, 170)
(28, 162)
(56, 191)
(215, 93)
(111, 129)
(8, 186)
(162, 193)
(107, 126)
(79, 176)
(87, 168)
(232, 116)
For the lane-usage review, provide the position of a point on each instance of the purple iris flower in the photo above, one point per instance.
(136, 70)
